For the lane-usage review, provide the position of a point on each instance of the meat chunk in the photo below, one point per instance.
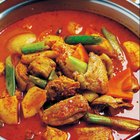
(52, 39)
(108, 63)
(28, 58)
(66, 111)
(54, 134)
(42, 66)
(110, 101)
(21, 76)
(94, 133)
(112, 104)
(95, 79)
(64, 51)
(61, 87)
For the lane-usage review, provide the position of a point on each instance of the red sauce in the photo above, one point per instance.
(49, 23)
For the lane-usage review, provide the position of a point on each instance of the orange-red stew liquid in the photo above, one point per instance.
(49, 23)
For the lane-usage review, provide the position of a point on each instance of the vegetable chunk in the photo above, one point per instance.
(54, 134)
(10, 76)
(133, 53)
(2, 67)
(83, 39)
(16, 42)
(38, 81)
(33, 47)
(81, 53)
(103, 47)
(33, 101)
(123, 88)
(116, 122)
(75, 64)
(9, 109)
(114, 43)
(90, 96)
(94, 133)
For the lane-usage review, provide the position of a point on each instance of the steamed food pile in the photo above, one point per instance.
(70, 79)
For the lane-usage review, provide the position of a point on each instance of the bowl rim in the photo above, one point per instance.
(109, 4)
(118, 9)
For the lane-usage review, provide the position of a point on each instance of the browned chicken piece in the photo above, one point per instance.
(42, 66)
(50, 40)
(99, 104)
(95, 79)
(110, 101)
(54, 134)
(64, 51)
(28, 58)
(108, 63)
(94, 133)
(61, 88)
(21, 76)
(66, 111)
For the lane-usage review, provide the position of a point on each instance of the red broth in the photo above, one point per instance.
(49, 23)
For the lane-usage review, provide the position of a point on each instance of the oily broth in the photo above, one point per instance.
(49, 23)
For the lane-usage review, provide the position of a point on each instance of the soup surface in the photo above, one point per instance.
(63, 24)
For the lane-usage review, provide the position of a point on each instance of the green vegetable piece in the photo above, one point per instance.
(33, 47)
(90, 95)
(115, 122)
(83, 39)
(113, 42)
(53, 75)
(76, 64)
(38, 81)
(10, 76)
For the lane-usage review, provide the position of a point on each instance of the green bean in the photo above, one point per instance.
(83, 39)
(38, 81)
(116, 122)
(33, 47)
(113, 42)
(10, 76)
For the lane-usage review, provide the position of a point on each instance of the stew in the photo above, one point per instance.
(68, 75)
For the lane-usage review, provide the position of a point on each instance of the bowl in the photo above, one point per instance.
(124, 12)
